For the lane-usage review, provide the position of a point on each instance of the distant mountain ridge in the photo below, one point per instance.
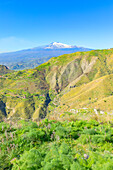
(58, 45)
(30, 58)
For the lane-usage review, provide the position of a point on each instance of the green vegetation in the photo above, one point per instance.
(73, 94)
(51, 145)
(70, 81)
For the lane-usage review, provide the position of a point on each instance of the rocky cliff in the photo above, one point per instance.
(68, 81)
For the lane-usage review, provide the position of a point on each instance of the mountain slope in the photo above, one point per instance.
(72, 81)
(4, 70)
(95, 94)
(33, 57)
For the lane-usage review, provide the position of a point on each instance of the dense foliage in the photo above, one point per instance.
(53, 145)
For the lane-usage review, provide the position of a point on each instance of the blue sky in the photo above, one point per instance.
(30, 23)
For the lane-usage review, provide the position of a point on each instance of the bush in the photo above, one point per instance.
(29, 160)
(53, 145)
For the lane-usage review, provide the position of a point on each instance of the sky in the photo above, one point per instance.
(31, 23)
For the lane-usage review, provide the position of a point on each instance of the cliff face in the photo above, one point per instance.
(30, 93)
(61, 76)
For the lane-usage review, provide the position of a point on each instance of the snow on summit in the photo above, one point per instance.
(55, 45)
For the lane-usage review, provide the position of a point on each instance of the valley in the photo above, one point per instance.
(71, 81)
(58, 115)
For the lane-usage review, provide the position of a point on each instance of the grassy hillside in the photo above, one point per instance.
(23, 92)
(73, 94)
(97, 93)
(72, 81)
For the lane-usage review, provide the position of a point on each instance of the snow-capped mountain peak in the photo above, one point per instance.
(56, 45)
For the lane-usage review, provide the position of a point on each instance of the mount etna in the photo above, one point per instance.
(31, 58)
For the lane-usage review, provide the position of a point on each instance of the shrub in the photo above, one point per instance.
(29, 160)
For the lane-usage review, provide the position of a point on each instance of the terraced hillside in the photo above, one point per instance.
(72, 81)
